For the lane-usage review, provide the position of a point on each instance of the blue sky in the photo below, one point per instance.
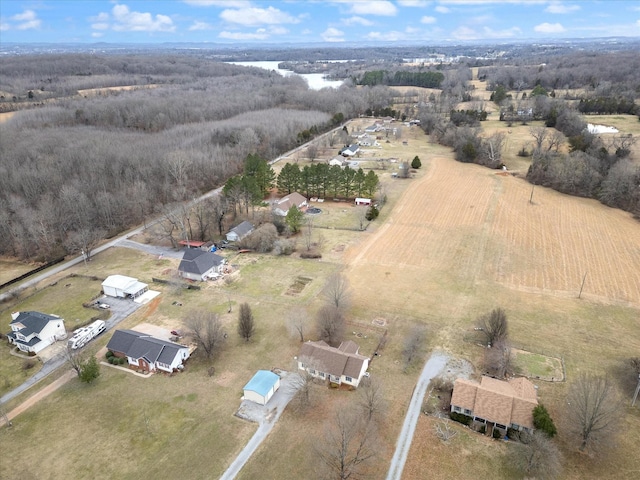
(297, 21)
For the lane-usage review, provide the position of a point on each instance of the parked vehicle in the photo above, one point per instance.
(84, 335)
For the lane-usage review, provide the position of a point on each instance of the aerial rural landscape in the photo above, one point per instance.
(292, 261)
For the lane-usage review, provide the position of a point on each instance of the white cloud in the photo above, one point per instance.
(257, 16)
(332, 35)
(97, 34)
(355, 20)
(219, 3)
(557, 7)
(101, 17)
(482, 19)
(278, 30)
(306, 31)
(426, 19)
(413, 3)
(4, 27)
(196, 26)
(124, 20)
(549, 28)
(442, 9)
(464, 33)
(27, 20)
(506, 33)
(382, 8)
(391, 36)
(260, 34)
(100, 26)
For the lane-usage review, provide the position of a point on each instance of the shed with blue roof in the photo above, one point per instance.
(262, 387)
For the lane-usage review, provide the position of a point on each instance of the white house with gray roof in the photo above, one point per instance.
(33, 331)
(147, 353)
(240, 231)
(199, 265)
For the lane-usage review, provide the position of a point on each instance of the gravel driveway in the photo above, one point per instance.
(434, 366)
(266, 416)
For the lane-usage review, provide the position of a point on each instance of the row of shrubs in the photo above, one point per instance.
(113, 360)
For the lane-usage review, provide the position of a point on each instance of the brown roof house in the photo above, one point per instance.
(338, 365)
(281, 207)
(496, 403)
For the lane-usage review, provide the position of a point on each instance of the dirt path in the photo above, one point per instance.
(35, 398)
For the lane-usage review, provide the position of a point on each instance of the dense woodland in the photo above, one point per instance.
(79, 165)
(78, 169)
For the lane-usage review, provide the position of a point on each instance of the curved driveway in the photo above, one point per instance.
(432, 368)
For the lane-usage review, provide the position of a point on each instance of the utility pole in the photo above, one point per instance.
(531, 197)
(635, 395)
(582, 286)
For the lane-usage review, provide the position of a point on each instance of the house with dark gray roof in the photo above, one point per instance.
(147, 353)
(337, 365)
(33, 331)
(240, 231)
(199, 264)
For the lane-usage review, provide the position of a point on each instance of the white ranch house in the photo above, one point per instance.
(337, 365)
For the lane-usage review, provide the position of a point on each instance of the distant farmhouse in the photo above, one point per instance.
(350, 151)
(147, 353)
(496, 403)
(240, 231)
(281, 207)
(33, 331)
(337, 365)
(199, 265)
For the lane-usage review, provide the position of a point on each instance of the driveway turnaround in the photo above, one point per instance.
(266, 416)
(432, 368)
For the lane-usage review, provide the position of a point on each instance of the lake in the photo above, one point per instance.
(316, 81)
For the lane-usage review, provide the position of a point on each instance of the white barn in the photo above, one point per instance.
(120, 286)
(261, 387)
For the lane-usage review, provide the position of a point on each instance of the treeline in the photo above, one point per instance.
(604, 73)
(400, 78)
(607, 106)
(322, 180)
(78, 170)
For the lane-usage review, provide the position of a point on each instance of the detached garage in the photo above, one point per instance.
(261, 387)
(120, 286)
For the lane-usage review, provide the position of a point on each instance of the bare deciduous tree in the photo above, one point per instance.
(347, 445)
(246, 323)
(371, 397)
(312, 152)
(330, 325)
(74, 359)
(494, 325)
(593, 408)
(444, 431)
(206, 329)
(302, 382)
(336, 291)
(537, 456)
(298, 322)
(497, 358)
(413, 345)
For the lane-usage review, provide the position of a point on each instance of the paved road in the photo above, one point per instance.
(120, 309)
(432, 368)
(151, 249)
(267, 418)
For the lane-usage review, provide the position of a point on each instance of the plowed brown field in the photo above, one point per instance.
(463, 225)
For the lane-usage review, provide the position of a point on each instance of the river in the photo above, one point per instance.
(316, 81)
